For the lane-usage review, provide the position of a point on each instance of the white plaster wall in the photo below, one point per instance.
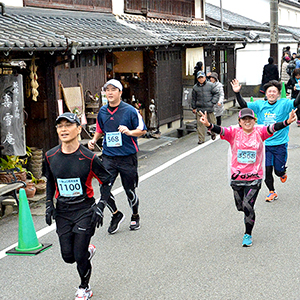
(288, 16)
(118, 7)
(251, 60)
(13, 2)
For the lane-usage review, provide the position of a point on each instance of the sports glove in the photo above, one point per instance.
(50, 212)
(97, 217)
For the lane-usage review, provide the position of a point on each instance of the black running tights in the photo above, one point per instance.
(269, 180)
(74, 248)
(245, 197)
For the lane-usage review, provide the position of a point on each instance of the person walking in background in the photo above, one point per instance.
(291, 67)
(205, 95)
(294, 85)
(287, 52)
(270, 111)
(198, 67)
(270, 72)
(246, 162)
(219, 107)
(297, 61)
(121, 125)
(284, 76)
(69, 169)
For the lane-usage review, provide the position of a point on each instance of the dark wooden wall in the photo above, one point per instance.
(162, 8)
(88, 69)
(169, 85)
(41, 114)
(85, 5)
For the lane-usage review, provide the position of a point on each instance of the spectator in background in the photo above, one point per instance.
(297, 60)
(270, 72)
(291, 67)
(287, 52)
(198, 67)
(294, 85)
(284, 75)
(205, 95)
(219, 106)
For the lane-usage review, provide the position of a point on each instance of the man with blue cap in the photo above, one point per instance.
(205, 95)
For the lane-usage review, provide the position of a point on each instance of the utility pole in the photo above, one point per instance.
(274, 30)
(221, 14)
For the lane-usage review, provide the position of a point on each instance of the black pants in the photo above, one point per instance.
(126, 166)
(245, 197)
(75, 232)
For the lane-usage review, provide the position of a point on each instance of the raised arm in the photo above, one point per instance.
(280, 125)
(214, 128)
(236, 87)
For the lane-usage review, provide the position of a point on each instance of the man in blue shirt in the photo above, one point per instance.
(121, 124)
(269, 111)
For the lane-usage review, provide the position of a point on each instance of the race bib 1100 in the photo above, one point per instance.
(70, 187)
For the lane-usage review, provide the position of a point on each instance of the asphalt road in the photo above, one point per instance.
(189, 244)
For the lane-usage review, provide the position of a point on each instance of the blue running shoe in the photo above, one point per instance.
(247, 240)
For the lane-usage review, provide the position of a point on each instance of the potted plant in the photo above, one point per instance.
(39, 184)
(12, 165)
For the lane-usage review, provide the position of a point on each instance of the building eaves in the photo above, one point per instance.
(293, 3)
(264, 37)
(292, 30)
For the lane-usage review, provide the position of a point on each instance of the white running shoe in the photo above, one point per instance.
(92, 250)
(84, 294)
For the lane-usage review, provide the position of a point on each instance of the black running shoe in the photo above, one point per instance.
(135, 222)
(115, 222)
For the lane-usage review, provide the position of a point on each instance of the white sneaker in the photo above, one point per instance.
(92, 250)
(84, 294)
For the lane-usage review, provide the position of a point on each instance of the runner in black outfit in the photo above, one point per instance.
(70, 168)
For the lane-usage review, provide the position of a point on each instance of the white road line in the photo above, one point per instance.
(117, 191)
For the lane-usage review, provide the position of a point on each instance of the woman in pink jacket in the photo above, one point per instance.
(247, 160)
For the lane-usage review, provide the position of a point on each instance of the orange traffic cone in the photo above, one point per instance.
(28, 243)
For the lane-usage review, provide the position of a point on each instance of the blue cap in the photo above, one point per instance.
(201, 74)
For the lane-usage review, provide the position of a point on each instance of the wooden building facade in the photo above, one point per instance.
(87, 47)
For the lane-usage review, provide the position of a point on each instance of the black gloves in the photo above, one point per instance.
(50, 212)
(97, 217)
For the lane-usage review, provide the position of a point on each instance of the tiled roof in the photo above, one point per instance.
(24, 28)
(232, 20)
(181, 32)
(45, 28)
(253, 30)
